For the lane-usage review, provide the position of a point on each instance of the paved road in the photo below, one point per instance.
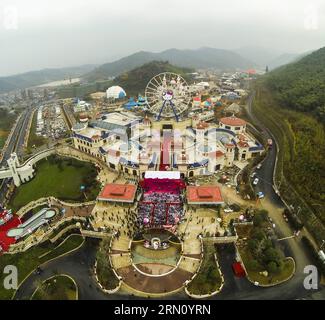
(265, 174)
(79, 265)
(16, 144)
(17, 140)
(292, 247)
(12, 143)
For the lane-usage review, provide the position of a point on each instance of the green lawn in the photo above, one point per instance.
(286, 271)
(57, 288)
(73, 241)
(3, 138)
(61, 179)
(29, 260)
(208, 279)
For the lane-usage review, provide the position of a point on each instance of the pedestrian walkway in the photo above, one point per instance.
(189, 264)
(121, 243)
(121, 260)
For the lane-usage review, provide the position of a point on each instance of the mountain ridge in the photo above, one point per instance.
(38, 77)
(201, 58)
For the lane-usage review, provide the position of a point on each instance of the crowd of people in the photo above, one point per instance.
(160, 208)
(161, 197)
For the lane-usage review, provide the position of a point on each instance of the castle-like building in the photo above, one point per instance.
(134, 145)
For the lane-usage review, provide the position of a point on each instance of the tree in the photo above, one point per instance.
(258, 220)
(264, 214)
(258, 234)
(271, 254)
(253, 265)
(272, 267)
(252, 245)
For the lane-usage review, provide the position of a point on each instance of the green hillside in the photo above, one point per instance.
(290, 101)
(300, 86)
(135, 81)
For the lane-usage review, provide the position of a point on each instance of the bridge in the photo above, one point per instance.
(22, 173)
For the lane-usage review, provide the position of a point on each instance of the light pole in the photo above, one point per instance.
(321, 247)
(299, 209)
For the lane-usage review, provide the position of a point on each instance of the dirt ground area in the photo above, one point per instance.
(163, 284)
(154, 268)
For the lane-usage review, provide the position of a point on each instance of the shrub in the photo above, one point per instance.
(253, 265)
(272, 267)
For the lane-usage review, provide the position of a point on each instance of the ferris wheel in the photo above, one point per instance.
(167, 95)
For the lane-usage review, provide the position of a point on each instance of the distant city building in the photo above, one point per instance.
(81, 106)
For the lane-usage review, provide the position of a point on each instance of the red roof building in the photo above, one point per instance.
(204, 195)
(219, 154)
(118, 193)
(114, 153)
(243, 144)
(233, 121)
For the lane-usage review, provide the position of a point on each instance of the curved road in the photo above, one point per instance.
(79, 266)
(292, 247)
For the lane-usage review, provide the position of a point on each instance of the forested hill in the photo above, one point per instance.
(301, 85)
(135, 81)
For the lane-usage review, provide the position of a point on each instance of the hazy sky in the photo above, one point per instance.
(35, 34)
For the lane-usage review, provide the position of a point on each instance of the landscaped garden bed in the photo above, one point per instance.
(208, 280)
(59, 287)
(27, 261)
(265, 263)
(104, 271)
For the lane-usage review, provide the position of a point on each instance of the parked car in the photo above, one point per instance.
(259, 166)
(228, 210)
(255, 182)
(253, 174)
(260, 195)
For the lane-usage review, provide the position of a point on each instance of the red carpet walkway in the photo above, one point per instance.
(166, 146)
(5, 241)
